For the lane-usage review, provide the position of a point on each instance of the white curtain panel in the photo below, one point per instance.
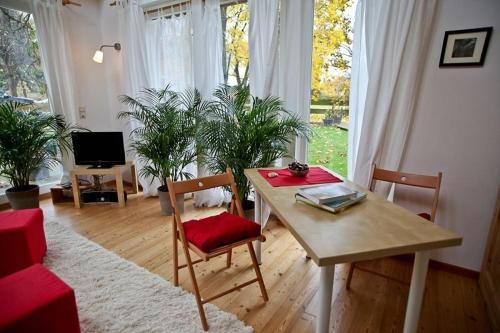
(390, 44)
(208, 74)
(295, 52)
(263, 47)
(56, 58)
(207, 46)
(169, 46)
(131, 24)
(263, 57)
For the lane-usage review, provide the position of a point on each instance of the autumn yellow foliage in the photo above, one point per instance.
(331, 47)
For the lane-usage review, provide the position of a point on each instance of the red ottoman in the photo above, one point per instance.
(36, 300)
(22, 240)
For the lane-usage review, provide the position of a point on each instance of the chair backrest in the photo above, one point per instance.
(204, 183)
(431, 182)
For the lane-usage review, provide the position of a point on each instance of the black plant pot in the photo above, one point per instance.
(248, 208)
(24, 197)
(248, 204)
(166, 207)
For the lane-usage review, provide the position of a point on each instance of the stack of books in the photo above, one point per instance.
(331, 197)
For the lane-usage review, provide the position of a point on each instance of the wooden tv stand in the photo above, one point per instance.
(116, 170)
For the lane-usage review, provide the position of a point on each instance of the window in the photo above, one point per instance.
(235, 21)
(21, 75)
(332, 42)
(330, 80)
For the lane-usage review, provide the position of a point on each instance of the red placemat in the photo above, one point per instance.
(316, 175)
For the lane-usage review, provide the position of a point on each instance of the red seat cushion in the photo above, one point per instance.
(36, 300)
(219, 230)
(425, 216)
(22, 239)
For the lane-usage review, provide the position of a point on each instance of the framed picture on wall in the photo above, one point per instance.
(465, 47)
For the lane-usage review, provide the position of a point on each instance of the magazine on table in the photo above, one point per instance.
(336, 205)
(327, 193)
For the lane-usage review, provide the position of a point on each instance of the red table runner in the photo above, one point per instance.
(316, 175)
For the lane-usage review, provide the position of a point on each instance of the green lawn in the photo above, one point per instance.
(328, 147)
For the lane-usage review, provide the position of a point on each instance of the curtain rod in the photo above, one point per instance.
(180, 3)
(167, 6)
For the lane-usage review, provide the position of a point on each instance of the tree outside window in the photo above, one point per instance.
(21, 74)
(330, 77)
(235, 21)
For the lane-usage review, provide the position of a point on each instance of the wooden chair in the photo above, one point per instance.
(188, 238)
(430, 182)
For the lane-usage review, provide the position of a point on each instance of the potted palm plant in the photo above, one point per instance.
(30, 139)
(241, 131)
(164, 141)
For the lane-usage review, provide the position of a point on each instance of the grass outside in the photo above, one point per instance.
(328, 147)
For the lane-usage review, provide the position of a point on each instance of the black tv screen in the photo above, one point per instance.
(99, 149)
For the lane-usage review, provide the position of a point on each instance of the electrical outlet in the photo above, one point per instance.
(82, 113)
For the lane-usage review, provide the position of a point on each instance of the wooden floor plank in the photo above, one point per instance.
(141, 234)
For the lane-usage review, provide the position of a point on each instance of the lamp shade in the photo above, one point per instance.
(98, 56)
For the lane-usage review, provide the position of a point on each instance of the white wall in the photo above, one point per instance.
(97, 85)
(92, 89)
(456, 130)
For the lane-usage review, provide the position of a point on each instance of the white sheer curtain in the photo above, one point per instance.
(208, 72)
(135, 63)
(296, 32)
(263, 47)
(390, 42)
(55, 52)
(263, 56)
(169, 46)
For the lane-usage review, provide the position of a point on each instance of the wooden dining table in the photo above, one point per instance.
(375, 228)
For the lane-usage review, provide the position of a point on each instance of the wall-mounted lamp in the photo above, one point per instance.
(98, 55)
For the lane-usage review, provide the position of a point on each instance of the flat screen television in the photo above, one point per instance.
(98, 149)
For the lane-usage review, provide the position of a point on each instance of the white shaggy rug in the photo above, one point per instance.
(115, 295)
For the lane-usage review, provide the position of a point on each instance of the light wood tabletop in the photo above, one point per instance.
(371, 229)
(374, 228)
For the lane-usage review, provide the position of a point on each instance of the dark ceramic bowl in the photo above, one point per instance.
(297, 173)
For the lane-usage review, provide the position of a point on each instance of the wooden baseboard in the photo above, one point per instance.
(442, 266)
(454, 269)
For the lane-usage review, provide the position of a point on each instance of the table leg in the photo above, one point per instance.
(325, 298)
(417, 289)
(76, 190)
(119, 189)
(258, 220)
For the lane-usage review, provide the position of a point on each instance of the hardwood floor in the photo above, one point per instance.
(140, 234)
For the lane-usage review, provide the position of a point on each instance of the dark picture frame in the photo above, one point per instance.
(465, 47)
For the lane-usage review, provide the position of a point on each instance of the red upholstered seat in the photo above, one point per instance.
(425, 216)
(219, 230)
(36, 300)
(22, 240)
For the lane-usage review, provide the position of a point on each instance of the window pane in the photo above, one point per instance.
(21, 75)
(235, 55)
(331, 67)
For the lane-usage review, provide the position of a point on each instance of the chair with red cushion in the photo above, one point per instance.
(395, 177)
(213, 236)
(22, 240)
(36, 300)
